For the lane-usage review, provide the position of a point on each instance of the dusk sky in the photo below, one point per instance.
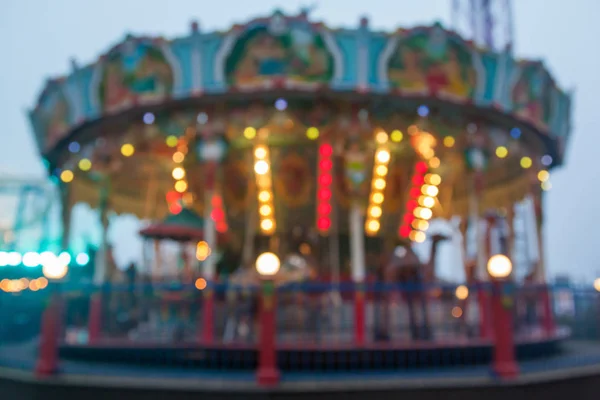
(38, 39)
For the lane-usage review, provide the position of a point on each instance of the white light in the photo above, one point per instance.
(31, 259)
(499, 266)
(3, 258)
(267, 264)
(65, 257)
(261, 167)
(46, 256)
(14, 259)
(53, 268)
(383, 156)
(82, 259)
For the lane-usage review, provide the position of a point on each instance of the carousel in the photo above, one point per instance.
(333, 149)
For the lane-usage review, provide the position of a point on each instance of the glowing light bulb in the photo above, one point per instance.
(265, 210)
(377, 198)
(312, 133)
(379, 184)
(396, 136)
(461, 292)
(526, 162)
(433, 179)
(543, 175)
(264, 196)
(261, 167)
(375, 212)
(181, 186)
(373, 226)
(249, 133)
(383, 156)
(449, 141)
(434, 162)
(260, 152)
(85, 164)
(66, 176)
(501, 152)
(430, 190)
(381, 170)
(381, 137)
(178, 173)
(266, 225)
(178, 157)
(171, 141)
(127, 150)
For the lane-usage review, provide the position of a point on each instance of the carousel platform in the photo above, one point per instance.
(573, 369)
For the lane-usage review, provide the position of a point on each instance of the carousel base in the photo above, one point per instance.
(314, 357)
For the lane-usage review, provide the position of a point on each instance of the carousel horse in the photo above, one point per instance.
(403, 267)
(243, 299)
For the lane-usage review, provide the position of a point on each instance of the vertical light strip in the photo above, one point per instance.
(264, 185)
(378, 184)
(324, 182)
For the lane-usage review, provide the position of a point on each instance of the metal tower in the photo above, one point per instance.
(489, 23)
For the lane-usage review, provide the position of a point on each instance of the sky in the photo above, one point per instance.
(38, 38)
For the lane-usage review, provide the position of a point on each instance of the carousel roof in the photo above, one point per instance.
(187, 225)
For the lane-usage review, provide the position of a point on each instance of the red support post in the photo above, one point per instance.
(547, 314)
(47, 362)
(485, 322)
(95, 317)
(359, 315)
(504, 362)
(208, 307)
(268, 373)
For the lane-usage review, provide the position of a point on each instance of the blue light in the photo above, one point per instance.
(149, 118)
(515, 133)
(423, 111)
(82, 259)
(74, 147)
(547, 160)
(281, 104)
(202, 118)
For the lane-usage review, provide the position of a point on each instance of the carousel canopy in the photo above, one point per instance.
(182, 227)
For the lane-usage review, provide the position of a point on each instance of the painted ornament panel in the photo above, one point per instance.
(54, 117)
(531, 94)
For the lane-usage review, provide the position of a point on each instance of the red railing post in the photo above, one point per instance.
(359, 314)
(504, 362)
(208, 307)
(547, 314)
(95, 317)
(47, 362)
(268, 373)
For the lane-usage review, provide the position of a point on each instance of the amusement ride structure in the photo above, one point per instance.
(330, 149)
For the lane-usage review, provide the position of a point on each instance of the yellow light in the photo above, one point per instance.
(499, 266)
(526, 162)
(42, 282)
(417, 236)
(267, 264)
(597, 284)
(66, 176)
(377, 198)
(181, 186)
(373, 226)
(261, 167)
(420, 224)
(429, 153)
(171, 141)
(249, 133)
(383, 156)
(546, 186)
(178, 157)
(434, 162)
(430, 190)
(178, 173)
(543, 175)
(375, 212)
(462, 292)
(265, 210)
(200, 284)
(312, 133)
(85, 164)
(379, 184)
(260, 152)
(266, 225)
(457, 312)
(433, 179)
(188, 198)
(423, 213)
(381, 137)
(381, 170)
(501, 152)
(396, 136)
(264, 196)
(427, 201)
(127, 150)
(449, 141)
(202, 251)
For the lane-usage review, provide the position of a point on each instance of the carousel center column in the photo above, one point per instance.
(212, 149)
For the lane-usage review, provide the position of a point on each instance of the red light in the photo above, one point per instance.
(324, 194)
(404, 231)
(411, 205)
(175, 208)
(324, 223)
(221, 227)
(326, 150)
(324, 209)
(409, 218)
(325, 179)
(173, 196)
(217, 214)
(415, 192)
(418, 180)
(216, 201)
(326, 165)
(421, 167)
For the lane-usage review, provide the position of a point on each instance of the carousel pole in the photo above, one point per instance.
(66, 213)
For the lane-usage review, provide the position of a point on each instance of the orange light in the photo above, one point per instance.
(201, 284)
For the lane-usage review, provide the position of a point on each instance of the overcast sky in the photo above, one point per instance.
(38, 38)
